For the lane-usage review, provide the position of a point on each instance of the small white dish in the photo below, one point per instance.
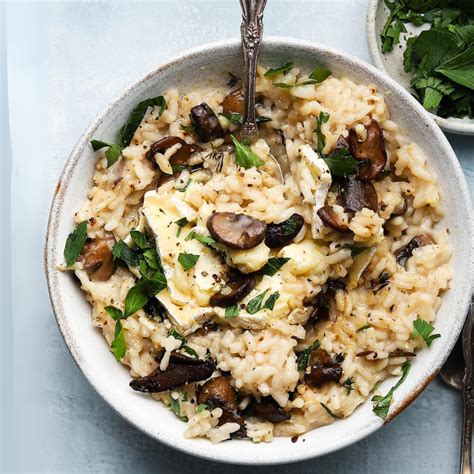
(211, 63)
(392, 63)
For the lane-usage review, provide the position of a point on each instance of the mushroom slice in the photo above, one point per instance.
(402, 255)
(233, 102)
(219, 393)
(341, 143)
(236, 289)
(97, 259)
(356, 194)
(331, 218)
(279, 235)
(400, 209)
(370, 152)
(206, 123)
(320, 305)
(236, 231)
(181, 370)
(268, 409)
(322, 368)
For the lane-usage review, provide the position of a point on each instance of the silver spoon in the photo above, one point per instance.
(251, 32)
(458, 373)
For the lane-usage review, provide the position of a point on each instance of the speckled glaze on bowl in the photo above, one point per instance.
(392, 63)
(87, 345)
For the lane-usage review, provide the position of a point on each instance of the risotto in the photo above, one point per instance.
(257, 300)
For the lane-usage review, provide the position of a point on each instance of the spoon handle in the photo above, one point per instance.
(468, 394)
(251, 32)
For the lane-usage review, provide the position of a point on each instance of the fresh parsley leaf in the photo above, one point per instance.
(364, 328)
(323, 118)
(256, 304)
(114, 312)
(118, 345)
(244, 156)
(136, 298)
(382, 404)
(290, 226)
(273, 265)
(187, 128)
(204, 406)
(231, 311)
(181, 223)
(140, 239)
(176, 407)
(113, 154)
(233, 117)
(271, 300)
(424, 329)
(304, 356)
(190, 351)
(187, 260)
(341, 163)
(271, 72)
(152, 260)
(204, 239)
(348, 385)
(460, 68)
(356, 249)
(178, 336)
(75, 243)
(319, 74)
(122, 251)
(329, 411)
(128, 130)
(98, 144)
(283, 85)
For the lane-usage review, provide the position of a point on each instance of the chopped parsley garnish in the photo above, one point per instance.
(341, 163)
(128, 130)
(384, 280)
(244, 156)
(187, 128)
(204, 406)
(231, 312)
(329, 411)
(187, 260)
(348, 385)
(140, 239)
(112, 153)
(364, 328)
(273, 265)
(283, 85)
(118, 345)
(176, 407)
(204, 239)
(183, 346)
(274, 71)
(75, 243)
(136, 298)
(424, 329)
(121, 251)
(236, 118)
(323, 118)
(181, 223)
(382, 404)
(304, 356)
(442, 57)
(319, 74)
(256, 304)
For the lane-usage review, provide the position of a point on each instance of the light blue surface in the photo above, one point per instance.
(63, 62)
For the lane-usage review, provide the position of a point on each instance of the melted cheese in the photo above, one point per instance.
(322, 177)
(186, 298)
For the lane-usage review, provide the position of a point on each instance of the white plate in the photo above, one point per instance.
(392, 63)
(211, 63)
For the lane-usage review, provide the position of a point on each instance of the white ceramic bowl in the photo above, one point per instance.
(392, 63)
(87, 346)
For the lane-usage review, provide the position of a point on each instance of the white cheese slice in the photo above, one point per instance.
(248, 261)
(322, 177)
(186, 298)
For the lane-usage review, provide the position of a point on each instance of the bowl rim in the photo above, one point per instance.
(452, 124)
(55, 217)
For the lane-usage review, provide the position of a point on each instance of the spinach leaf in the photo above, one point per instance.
(460, 69)
(128, 130)
(244, 156)
(75, 243)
